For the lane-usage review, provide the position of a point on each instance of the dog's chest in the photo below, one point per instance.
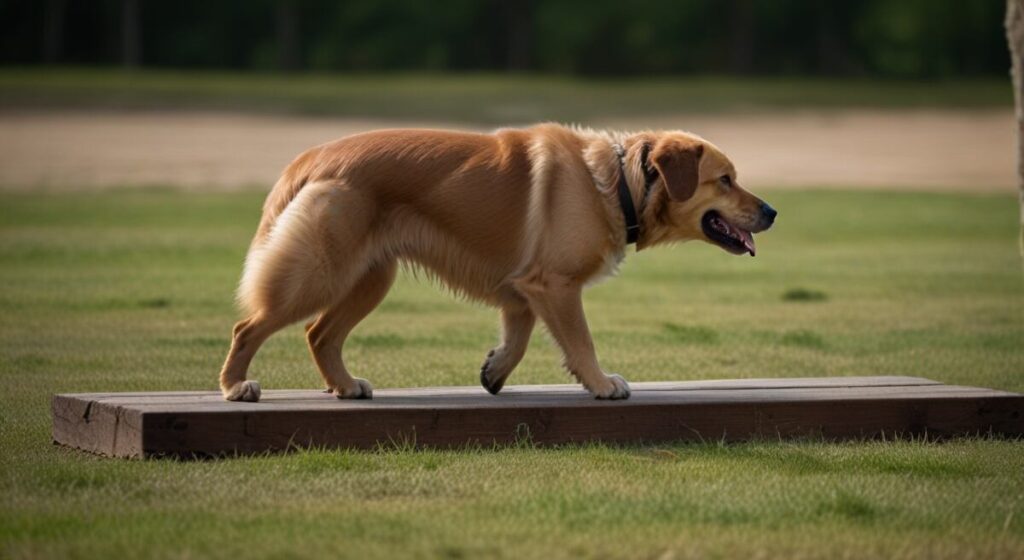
(609, 266)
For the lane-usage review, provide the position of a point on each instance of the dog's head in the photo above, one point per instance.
(697, 196)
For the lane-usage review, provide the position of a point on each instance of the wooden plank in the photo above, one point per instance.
(200, 423)
(478, 399)
(97, 427)
(752, 383)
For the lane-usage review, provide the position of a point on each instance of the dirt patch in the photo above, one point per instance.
(930, 150)
(926, 150)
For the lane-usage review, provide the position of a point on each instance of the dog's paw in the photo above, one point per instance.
(491, 377)
(246, 391)
(616, 388)
(362, 390)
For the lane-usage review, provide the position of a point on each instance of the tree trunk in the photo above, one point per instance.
(53, 31)
(1015, 37)
(288, 35)
(832, 53)
(520, 31)
(131, 34)
(741, 28)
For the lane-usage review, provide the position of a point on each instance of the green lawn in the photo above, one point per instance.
(483, 99)
(133, 291)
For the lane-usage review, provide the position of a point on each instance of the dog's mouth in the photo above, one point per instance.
(726, 235)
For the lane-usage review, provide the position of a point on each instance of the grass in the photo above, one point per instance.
(482, 99)
(132, 291)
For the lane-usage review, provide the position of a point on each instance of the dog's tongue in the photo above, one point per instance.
(748, 241)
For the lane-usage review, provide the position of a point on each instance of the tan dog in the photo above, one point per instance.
(519, 219)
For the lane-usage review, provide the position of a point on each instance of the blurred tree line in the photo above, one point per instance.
(888, 38)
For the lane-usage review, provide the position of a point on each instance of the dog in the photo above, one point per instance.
(520, 219)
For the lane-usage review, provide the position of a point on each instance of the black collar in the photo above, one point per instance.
(629, 212)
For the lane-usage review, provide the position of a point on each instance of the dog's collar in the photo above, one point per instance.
(629, 211)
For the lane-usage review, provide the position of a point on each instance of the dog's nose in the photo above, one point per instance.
(769, 212)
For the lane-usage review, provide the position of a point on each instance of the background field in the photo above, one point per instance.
(89, 129)
(124, 291)
(481, 99)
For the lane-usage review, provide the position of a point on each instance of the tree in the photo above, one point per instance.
(1015, 37)
(519, 14)
(288, 55)
(131, 34)
(53, 31)
(742, 30)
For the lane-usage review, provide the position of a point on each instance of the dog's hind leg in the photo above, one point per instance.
(248, 335)
(315, 252)
(327, 334)
(517, 320)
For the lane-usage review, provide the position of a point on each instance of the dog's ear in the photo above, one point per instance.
(679, 166)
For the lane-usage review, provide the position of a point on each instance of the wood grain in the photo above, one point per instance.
(196, 423)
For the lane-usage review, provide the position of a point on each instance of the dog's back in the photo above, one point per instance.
(387, 161)
(454, 203)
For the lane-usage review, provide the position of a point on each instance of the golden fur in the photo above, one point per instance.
(521, 219)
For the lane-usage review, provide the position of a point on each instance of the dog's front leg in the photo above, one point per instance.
(558, 301)
(517, 321)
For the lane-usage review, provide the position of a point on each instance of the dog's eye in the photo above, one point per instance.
(725, 180)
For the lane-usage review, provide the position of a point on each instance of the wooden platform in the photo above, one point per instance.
(200, 423)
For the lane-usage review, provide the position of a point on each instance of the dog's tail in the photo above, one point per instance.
(279, 255)
(295, 176)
